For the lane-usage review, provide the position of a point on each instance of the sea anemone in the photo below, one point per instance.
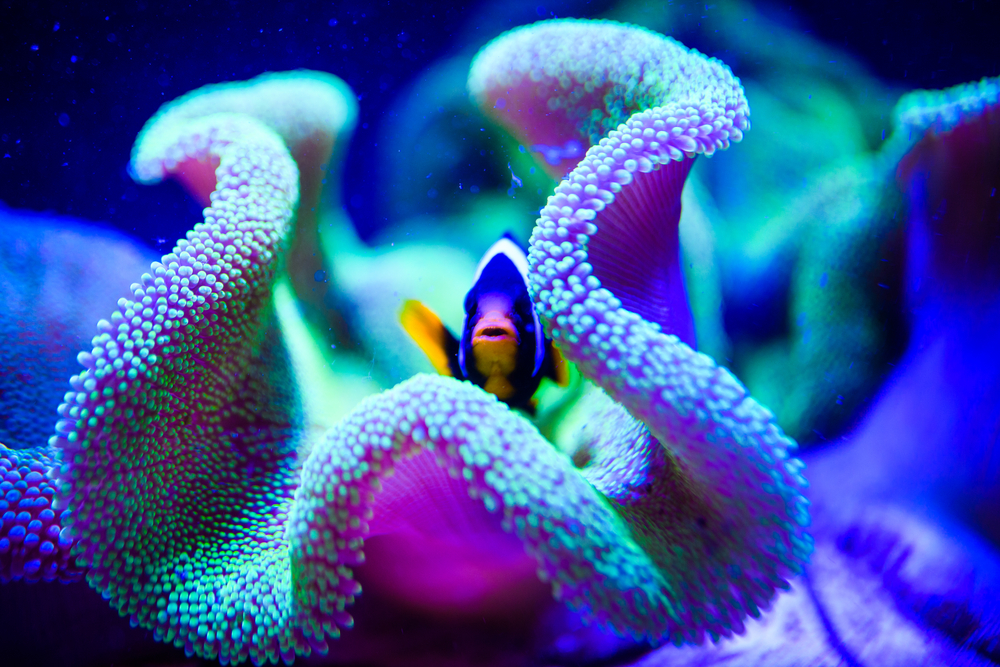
(34, 544)
(905, 564)
(204, 511)
(950, 177)
(561, 86)
(595, 255)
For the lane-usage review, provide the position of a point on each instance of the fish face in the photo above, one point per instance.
(499, 342)
(495, 343)
(502, 347)
(495, 321)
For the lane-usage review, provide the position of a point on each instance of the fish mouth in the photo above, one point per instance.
(494, 327)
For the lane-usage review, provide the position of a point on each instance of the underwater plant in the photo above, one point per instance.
(204, 509)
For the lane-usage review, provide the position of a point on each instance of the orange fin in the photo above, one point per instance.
(430, 335)
(558, 368)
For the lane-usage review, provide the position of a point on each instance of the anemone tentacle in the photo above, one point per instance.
(724, 517)
(35, 545)
(555, 82)
(724, 447)
(648, 105)
(310, 111)
(949, 177)
(179, 438)
(939, 111)
(314, 113)
(580, 543)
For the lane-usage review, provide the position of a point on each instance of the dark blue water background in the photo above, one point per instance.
(78, 80)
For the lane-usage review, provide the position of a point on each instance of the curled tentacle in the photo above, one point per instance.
(652, 105)
(314, 113)
(180, 437)
(581, 545)
(563, 85)
(950, 177)
(723, 514)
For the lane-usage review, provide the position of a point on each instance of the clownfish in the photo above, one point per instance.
(502, 348)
